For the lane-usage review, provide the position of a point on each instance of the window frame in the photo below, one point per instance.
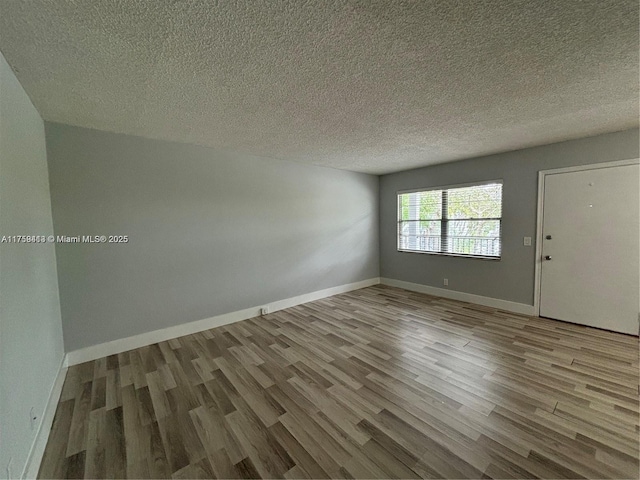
(444, 220)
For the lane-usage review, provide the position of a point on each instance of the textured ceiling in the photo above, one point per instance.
(371, 86)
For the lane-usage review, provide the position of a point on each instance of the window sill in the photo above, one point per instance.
(440, 254)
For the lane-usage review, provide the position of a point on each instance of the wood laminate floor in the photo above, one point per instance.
(375, 383)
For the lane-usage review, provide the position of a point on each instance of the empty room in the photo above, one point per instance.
(319, 239)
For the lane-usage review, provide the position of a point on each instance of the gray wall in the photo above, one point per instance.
(511, 278)
(210, 232)
(31, 347)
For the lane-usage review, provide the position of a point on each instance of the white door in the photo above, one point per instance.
(590, 248)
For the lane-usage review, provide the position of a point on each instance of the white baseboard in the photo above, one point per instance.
(124, 344)
(515, 307)
(42, 435)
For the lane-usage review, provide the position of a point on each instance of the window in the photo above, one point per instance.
(463, 221)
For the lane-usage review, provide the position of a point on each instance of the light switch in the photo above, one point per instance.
(527, 241)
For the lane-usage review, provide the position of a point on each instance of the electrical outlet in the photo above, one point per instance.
(264, 310)
(527, 241)
(446, 282)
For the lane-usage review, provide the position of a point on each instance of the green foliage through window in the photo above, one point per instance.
(457, 221)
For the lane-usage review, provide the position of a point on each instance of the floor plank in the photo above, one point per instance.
(375, 383)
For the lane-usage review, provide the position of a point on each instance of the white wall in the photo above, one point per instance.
(31, 347)
(210, 232)
(512, 277)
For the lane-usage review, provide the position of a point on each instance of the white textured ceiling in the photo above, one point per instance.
(371, 86)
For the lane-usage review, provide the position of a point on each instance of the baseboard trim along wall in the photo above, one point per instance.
(124, 344)
(46, 421)
(515, 307)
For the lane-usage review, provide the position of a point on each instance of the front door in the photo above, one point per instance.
(590, 248)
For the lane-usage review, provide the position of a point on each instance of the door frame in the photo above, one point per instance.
(542, 174)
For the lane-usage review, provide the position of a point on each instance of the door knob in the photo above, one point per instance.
(547, 257)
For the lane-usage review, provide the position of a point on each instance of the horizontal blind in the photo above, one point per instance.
(459, 221)
(474, 220)
(419, 225)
